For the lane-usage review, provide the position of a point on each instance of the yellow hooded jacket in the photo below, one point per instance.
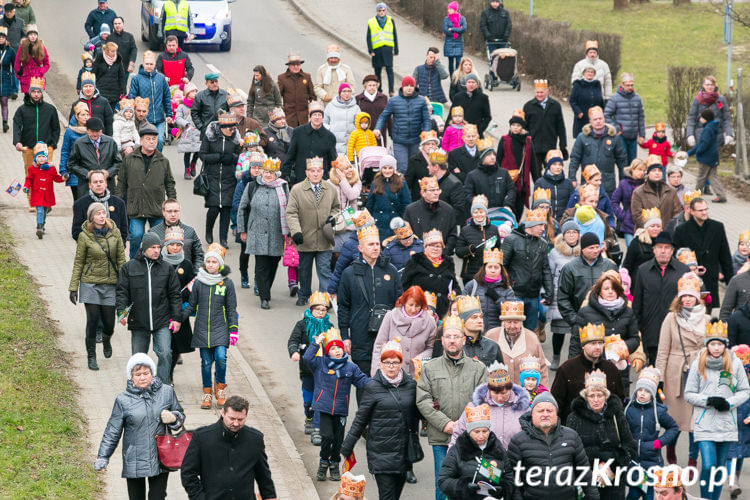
(360, 138)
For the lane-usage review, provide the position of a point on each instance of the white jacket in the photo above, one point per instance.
(339, 119)
(603, 74)
(124, 132)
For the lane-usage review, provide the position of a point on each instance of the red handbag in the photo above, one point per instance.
(172, 448)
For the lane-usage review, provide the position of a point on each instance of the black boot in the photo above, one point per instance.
(322, 470)
(91, 351)
(333, 471)
(209, 238)
(107, 345)
(5, 126)
(40, 231)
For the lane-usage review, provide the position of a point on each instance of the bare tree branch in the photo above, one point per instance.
(719, 6)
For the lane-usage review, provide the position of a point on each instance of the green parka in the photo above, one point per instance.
(93, 255)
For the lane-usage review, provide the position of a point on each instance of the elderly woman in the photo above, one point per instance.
(263, 96)
(139, 414)
(475, 237)
(76, 129)
(458, 78)
(432, 272)
(389, 196)
(621, 198)
(99, 256)
(491, 285)
(709, 97)
(598, 418)
(261, 222)
(339, 116)
(641, 248)
(507, 402)
(110, 74)
(586, 93)
(388, 407)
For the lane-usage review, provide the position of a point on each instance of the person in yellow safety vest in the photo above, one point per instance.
(176, 16)
(382, 44)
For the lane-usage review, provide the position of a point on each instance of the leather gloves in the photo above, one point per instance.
(74, 297)
(718, 402)
(297, 238)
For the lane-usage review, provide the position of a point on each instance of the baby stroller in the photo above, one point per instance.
(500, 215)
(368, 164)
(503, 64)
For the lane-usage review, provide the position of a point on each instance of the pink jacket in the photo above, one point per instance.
(453, 137)
(31, 68)
(417, 336)
(503, 419)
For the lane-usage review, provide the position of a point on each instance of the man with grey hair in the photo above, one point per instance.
(625, 111)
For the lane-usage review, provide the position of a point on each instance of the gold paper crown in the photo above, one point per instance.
(553, 153)
(687, 257)
(511, 308)
(518, 113)
(427, 183)
(438, 156)
(432, 236)
(429, 135)
(315, 107)
(392, 345)
(690, 282)
(589, 171)
(541, 194)
(233, 98)
(653, 160)
(481, 199)
(362, 218)
(668, 477)
(275, 114)
(272, 165)
(536, 215)
(256, 158)
(453, 323)
(589, 190)
(716, 330)
(457, 111)
(315, 161)
(217, 248)
(351, 485)
(403, 232)
(592, 44)
(37, 82)
(470, 128)
(468, 303)
(141, 101)
(650, 373)
(651, 213)
(529, 363)
(126, 103)
(597, 378)
(494, 256)
(431, 299)
(251, 139)
(745, 236)
(591, 333)
(540, 84)
(330, 336)
(4, 31)
(483, 144)
(660, 126)
(319, 299)
(689, 196)
(86, 75)
(479, 413)
(368, 233)
(227, 119)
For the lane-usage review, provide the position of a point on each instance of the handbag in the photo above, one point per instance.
(172, 448)
(377, 312)
(200, 183)
(291, 257)
(414, 452)
(685, 367)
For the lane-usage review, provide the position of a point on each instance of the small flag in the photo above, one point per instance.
(14, 188)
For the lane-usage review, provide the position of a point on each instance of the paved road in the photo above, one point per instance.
(272, 29)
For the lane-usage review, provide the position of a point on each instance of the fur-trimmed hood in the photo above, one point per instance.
(520, 397)
(611, 130)
(565, 249)
(581, 408)
(213, 132)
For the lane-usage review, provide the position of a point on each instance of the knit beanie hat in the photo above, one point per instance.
(343, 86)
(93, 208)
(150, 239)
(589, 239)
(544, 397)
(174, 234)
(388, 161)
(477, 417)
(569, 225)
(479, 202)
(105, 29)
(408, 80)
(216, 251)
(585, 215)
(139, 358)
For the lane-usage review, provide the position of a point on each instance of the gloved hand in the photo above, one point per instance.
(691, 141)
(331, 220)
(657, 444)
(492, 293)
(25, 190)
(472, 487)
(228, 158)
(728, 139)
(565, 154)
(472, 249)
(100, 463)
(74, 297)
(718, 402)
(168, 417)
(233, 338)
(297, 238)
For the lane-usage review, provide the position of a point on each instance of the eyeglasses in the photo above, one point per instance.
(390, 364)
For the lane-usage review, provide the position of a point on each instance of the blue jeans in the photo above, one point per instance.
(140, 340)
(160, 127)
(531, 310)
(631, 148)
(712, 455)
(693, 447)
(438, 455)
(41, 214)
(628, 238)
(402, 153)
(209, 356)
(136, 229)
(322, 266)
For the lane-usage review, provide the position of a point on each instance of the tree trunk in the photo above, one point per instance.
(621, 4)
(639, 1)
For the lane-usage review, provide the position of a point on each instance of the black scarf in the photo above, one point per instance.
(518, 142)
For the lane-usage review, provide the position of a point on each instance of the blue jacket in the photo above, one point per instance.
(68, 139)
(560, 191)
(96, 18)
(707, 149)
(386, 206)
(331, 392)
(624, 110)
(399, 254)
(7, 73)
(349, 252)
(642, 422)
(453, 47)
(410, 118)
(154, 86)
(604, 204)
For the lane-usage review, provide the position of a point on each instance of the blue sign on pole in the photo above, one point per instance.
(727, 25)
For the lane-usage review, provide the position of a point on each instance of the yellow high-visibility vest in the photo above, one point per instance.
(176, 16)
(381, 37)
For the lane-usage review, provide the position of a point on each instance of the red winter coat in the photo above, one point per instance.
(662, 149)
(40, 184)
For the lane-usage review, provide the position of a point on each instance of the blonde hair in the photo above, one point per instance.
(726, 361)
(710, 78)
(110, 47)
(457, 74)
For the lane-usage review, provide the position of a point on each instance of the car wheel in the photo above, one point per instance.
(226, 45)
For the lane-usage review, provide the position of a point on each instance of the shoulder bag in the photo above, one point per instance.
(685, 367)
(414, 452)
(200, 183)
(377, 312)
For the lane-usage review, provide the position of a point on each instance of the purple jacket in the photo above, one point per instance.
(621, 204)
(503, 419)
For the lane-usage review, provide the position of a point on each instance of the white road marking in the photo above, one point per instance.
(213, 68)
(242, 93)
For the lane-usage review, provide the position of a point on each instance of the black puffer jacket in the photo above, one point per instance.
(483, 349)
(560, 448)
(495, 24)
(416, 168)
(110, 80)
(470, 236)
(389, 423)
(604, 435)
(219, 154)
(738, 326)
(576, 279)
(620, 321)
(438, 280)
(452, 192)
(491, 296)
(493, 182)
(640, 250)
(423, 218)
(525, 259)
(560, 191)
(460, 466)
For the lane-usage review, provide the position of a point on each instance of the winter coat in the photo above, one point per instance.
(30, 68)
(560, 189)
(348, 253)
(126, 47)
(145, 190)
(648, 195)
(416, 169)
(738, 260)
(467, 248)
(95, 255)
(260, 104)
(453, 47)
(722, 116)
(34, 122)
(115, 211)
(605, 151)
(443, 390)
(738, 326)
(191, 246)
(263, 224)
(98, 107)
(706, 150)
(96, 18)
(736, 295)
(495, 24)
(152, 288)
(16, 31)
(603, 205)
(296, 90)
(153, 86)
(7, 71)
(576, 279)
(561, 254)
(391, 414)
(175, 67)
(452, 137)
(422, 219)
(381, 288)
(525, 259)
(452, 192)
(620, 321)
(83, 159)
(331, 391)
(570, 378)
(206, 107)
(219, 154)
(308, 142)
(483, 349)
(331, 90)
(709, 242)
(624, 110)
(25, 11)
(360, 138)
(215, 309)
(400, 254)
(546, 125)
(527, 344)
(124, 132)
(440, 280)
(562, 447)
(460, 159)
(136, 416)
(348, 193)
(476, 108)
(41, 185)
(604, 435)
(276, 147)
(428, 81)
(110, 80)
(208, 474)
(298, 341)
(460, 466)
(374, 108)
(710, 424)
(417, 336)
(640, 250)
(305, 215)
(603, 74)
(645, 422)
(339, 118)
(410, 118)
(190, 139)
(584, 96)
(490, 306)
(659, 147)
(621, 200)
(504, 419)
(493, 182)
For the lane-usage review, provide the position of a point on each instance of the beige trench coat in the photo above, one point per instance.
(305, 215)
(526, 345)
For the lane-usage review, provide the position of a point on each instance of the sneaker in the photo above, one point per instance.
(719, 200)
(293, 288)
(308, 426)
(187, 175)
(244, 281)
(315, 438)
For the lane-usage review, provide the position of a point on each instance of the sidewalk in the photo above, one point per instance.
(50, 261)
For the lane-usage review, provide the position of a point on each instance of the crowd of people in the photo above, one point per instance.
(440, 257)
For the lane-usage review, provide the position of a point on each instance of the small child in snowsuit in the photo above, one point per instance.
(453, 137)
(250, 150)
(361, 137)
(39, 185)
(124, 130)
(530, 376)
(659, 145)
(88, 64)
(189, 135)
